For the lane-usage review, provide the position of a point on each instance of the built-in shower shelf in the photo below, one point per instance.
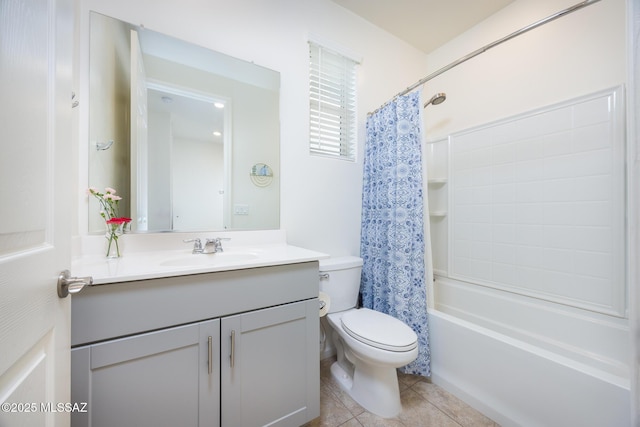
(437, 181)
(438, 214)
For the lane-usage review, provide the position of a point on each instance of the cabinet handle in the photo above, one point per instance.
(210, 355)
(233, 348)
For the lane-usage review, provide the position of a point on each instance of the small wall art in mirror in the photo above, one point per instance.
(181, 123)
(261, 175)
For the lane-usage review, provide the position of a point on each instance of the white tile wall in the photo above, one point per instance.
(537, 204)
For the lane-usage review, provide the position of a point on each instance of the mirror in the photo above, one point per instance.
(177, 129)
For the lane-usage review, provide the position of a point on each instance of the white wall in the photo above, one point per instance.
(320, 198)
(572, 56)
(252, 145)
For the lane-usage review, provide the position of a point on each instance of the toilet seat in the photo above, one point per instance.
(379, 330)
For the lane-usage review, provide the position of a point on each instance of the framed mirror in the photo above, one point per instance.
(175, 128)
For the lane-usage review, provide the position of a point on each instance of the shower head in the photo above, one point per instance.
(436, 99)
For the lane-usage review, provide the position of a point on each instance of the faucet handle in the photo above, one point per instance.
(197, 245)
(217, 239)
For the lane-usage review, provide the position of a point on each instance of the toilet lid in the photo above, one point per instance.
(379, 330)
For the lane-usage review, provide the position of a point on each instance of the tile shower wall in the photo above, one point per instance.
(536, 204)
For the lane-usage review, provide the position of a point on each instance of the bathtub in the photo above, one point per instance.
(517, 383)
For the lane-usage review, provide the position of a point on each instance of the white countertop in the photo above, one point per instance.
(148, 257)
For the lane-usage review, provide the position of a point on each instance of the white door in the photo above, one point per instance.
(36, 207)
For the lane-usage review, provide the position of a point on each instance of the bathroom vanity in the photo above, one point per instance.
(219, 345)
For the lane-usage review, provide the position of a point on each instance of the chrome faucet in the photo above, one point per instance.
(216, 244)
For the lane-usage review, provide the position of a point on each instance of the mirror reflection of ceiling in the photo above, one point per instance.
(166, 47)
(425, 24)
(191, 119)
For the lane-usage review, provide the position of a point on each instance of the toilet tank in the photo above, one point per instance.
(340, 279)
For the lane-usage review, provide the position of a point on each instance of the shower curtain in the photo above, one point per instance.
(392, 235)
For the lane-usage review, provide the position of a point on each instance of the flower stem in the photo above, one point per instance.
(109, 246)
(113, 239)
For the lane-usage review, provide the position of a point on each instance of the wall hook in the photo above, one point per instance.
(104, 146)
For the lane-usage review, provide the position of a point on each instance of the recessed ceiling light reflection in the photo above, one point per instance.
(218, 104)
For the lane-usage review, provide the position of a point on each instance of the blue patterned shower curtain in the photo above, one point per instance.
(393, 239)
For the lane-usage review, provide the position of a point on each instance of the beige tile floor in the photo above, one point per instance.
(424, 404)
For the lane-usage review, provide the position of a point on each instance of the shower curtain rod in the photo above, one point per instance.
(485, 48)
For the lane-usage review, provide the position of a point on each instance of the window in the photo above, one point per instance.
(332, 102)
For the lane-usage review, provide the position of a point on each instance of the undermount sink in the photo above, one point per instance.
(220, 258)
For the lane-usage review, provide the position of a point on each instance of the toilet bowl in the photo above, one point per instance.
(370, 345)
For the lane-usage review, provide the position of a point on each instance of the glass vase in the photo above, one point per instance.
(112, 236)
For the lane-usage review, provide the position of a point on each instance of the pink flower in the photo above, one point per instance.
(111, 196)
(108, 201)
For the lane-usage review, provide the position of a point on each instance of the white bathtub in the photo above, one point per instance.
(519, 384)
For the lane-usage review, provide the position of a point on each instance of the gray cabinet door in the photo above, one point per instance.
(270, 366)
(165, 378)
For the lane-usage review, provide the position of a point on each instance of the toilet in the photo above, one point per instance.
(370, 345)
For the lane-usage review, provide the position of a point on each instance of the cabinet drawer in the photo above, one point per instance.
(142, 346)
(120, 309)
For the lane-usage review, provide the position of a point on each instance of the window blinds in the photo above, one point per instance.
(332, 102)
